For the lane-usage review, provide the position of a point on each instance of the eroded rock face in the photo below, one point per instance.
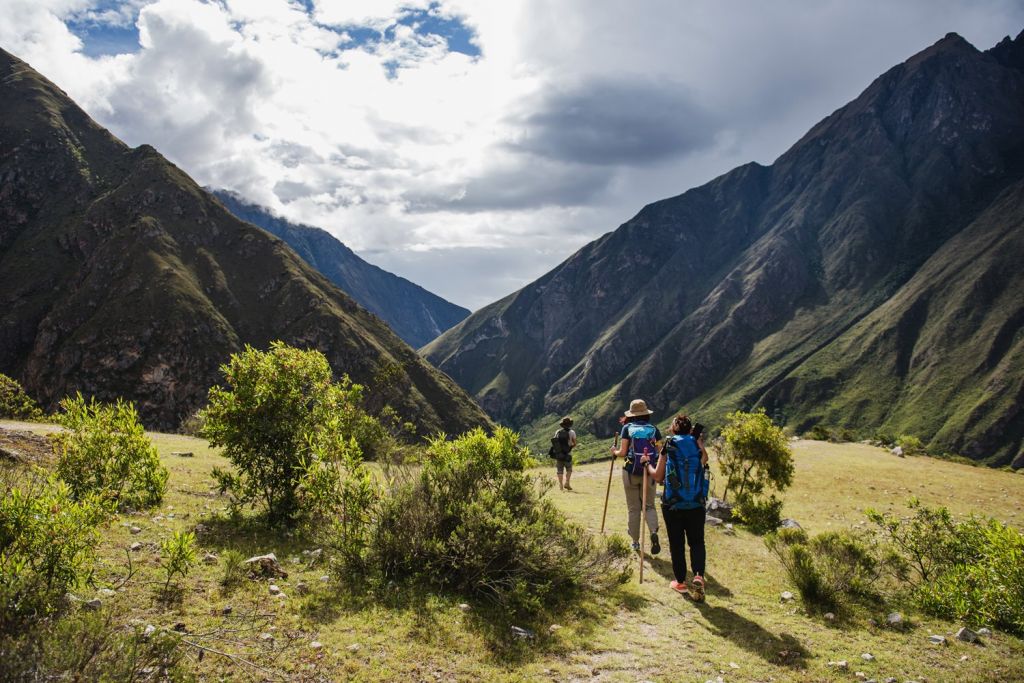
(121, 277)
(834, 280)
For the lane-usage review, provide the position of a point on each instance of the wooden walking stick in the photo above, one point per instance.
(643, 520)
(607, 491)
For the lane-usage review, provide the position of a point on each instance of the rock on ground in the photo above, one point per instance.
(265, 566)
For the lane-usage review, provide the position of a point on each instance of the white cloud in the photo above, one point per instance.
(573, 115)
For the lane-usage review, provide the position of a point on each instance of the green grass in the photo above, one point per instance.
(638, 633)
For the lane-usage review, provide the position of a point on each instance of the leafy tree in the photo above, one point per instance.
(15, 404)
(104, 449)
(753, 455)
(279, 402)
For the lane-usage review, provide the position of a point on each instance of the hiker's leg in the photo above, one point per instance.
(632, 486)
(676, 543)
(694, 525)
(651, 513)
(568, 473)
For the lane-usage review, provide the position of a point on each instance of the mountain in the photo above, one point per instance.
(869, 279)
(119, 276)
(416, 315)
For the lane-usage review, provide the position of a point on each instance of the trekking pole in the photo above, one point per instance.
(643, 520)
(608, 490)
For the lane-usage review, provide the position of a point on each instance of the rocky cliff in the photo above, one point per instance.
(864, 280)
(119, 276)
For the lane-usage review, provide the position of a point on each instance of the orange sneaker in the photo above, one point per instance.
(677, 587)
(697, 588)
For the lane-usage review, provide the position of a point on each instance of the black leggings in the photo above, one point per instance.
(685, 526)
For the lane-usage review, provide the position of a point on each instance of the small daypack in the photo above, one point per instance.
(686, 483)
(642, 436)
(560, 447)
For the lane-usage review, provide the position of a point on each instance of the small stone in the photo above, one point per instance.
(180, 627)
(894, 619)
(868, 657)
(891, 679)
(182, 454)
(266, 637)
(227, 610)
(210, 558)
(316, 645)
(786, 596)
(788, 523)
(860, 675)
(733, 665)
(200, 529)
(713, 521)
(937, 640)
(830, 616)
(302, 588)
(842, 664)
(266, 566)
(897, 451)
(135, 547)
(106, 592)
(274, 589)
(873, 621)
(135, 530)
(325, 578)
(964, 658)
(148, 631)
(93, 604)
(464, 607)
(522, 633)
(554, 628)
(984, 631)
(967, 635)
(354, 647)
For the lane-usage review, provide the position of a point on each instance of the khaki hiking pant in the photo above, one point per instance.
(633, 485)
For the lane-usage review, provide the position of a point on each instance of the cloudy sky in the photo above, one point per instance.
(471, 145)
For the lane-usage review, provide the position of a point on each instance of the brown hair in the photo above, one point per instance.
(681, 424)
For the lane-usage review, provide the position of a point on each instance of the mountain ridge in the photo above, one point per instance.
(415, 314)
(763, 268)
(120, 277)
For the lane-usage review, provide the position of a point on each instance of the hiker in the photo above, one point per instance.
(562, 444)
(681, 468)
(639, 435)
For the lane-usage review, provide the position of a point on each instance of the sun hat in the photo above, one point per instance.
(566, 422)
(637, 408)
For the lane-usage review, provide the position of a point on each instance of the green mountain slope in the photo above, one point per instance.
(119, 276)
(760, 287)
(416, 315)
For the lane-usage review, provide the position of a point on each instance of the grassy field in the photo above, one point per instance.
(742, 633)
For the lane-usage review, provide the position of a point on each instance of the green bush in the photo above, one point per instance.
(47, 542)
(828, 569)
(15, 404)
(473, 522)
(971, 570)
(911, 445)
(753, 455)
(759, 515)
(177, 555)
(278, 403)
(233, 565)
(104, 450)
(819, 433)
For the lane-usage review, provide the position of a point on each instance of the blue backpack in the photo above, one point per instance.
(686, 484)
(642, 436)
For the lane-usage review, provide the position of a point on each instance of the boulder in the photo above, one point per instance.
(967, 635)
(265, 566)
(720, 509)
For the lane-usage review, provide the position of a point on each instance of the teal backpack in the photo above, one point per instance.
(686, 481)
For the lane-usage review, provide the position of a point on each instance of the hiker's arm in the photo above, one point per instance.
(703, 453)
(623, 448)
(658, 472)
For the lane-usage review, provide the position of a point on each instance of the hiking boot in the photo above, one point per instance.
(697, 588)
(655, 546)
(568, 488)
(636, 546)
(677, 586)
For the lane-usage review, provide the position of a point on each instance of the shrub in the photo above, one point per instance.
(104, 450)
(473, 522)
(759, 515)
(819, 433)
(277, 404)
(971, 570)
(754, 455)
(829, 568)
(47, 542)
(911, 445)
(177, 555)
(15, 404)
